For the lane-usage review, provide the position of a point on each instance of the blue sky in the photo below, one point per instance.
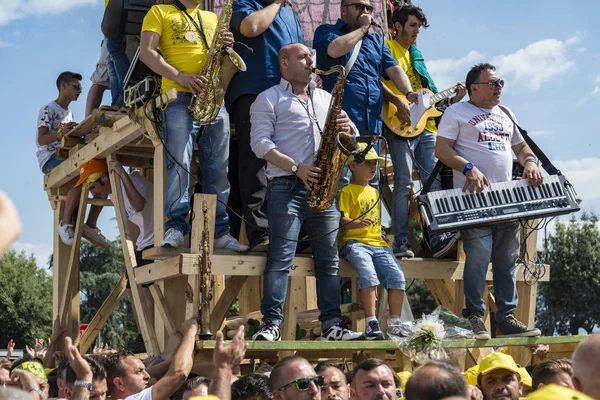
(547, 51)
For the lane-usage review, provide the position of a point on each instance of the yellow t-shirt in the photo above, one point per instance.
(354, 200)
(402, 55)
(106, 3)
(170, 23)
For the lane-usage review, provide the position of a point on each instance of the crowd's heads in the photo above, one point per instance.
(335, 385)
(555, 392)
(498, 377)
(194, 386)
(125, 374)
(8, 393)
(294, 378)
(61, 376)
(436, 380)
(69, 84)
(99, 386)
(252, 387)
(557, 371)
(373, 379)
(5, 366)
(586, 364)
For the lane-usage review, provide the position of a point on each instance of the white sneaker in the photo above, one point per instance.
(269, 332)
(228, 242)
(95, 236)
(339, 332)
(66, 233)
(173, 238)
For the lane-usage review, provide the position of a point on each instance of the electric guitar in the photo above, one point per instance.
(406, 130)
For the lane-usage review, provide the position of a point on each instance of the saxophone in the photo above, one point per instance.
(334, 151)
(221, 65)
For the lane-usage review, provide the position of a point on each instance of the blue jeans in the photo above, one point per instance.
(500, 243)
(287, 210)
(118, 66)
(423, 147)
(180, 133)
(52, 163)
(374, 265)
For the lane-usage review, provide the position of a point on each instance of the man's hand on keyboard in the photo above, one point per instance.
(476, 181)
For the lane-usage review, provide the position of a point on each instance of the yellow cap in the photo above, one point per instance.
(554, 392)
(496, 361)
(525, 377)
(471, 375)
(371, 155)
(404, 377)
(90, 172)
(33, 366)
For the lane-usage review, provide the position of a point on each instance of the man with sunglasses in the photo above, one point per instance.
(294, 378)
(363, 97)
(408, 21)
(54, 120)
(476, 139)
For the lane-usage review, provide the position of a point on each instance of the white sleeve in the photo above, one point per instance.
(145, 394)
(449, 127)
(262, 120)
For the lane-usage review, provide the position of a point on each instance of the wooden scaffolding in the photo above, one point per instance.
(173, 281)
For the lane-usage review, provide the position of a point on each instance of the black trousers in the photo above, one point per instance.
(251, 174)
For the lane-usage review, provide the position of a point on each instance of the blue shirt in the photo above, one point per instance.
(263, 68)
(363, 96)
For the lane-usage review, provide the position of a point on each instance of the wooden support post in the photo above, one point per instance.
(60, 278)
(99, 320)
(250, 295)
(221, 308)
(130, 263)
(295, 301)
(160, 182)
(159, 303)
(358, 316)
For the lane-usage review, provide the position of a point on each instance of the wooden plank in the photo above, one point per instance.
(130, 263)
(70, 297)
(100, 202)
(102, 315)
(358, 315)
(162, 253)
(250, 295)
(254, 265)
(160, 185)
(159, 303)
(221, 308)
(317, 345)
(442, 295)
(295, 301)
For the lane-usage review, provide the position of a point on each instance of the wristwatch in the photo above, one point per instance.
(84, 384)
(469, 166)
(295, 167)
(38, 391)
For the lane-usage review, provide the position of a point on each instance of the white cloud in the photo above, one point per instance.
(543, 132)
(596, 88)
(583, 175)
(446, 71)
(582, 50)
(6, 44)
(41, 252)
(11, 10)
(537, 63)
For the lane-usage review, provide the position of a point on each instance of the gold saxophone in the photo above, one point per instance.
(334, 150)
(222, 63)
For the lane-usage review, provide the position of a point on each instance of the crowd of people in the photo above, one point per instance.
(121, 375)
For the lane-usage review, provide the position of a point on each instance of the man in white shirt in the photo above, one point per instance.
(475, 139)
(138, 198)
(287, 121)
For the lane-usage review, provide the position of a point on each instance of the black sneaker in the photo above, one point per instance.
(442, 243)
(478, 328)
(373, 332)
(339, 332)
(268, 332)
(511, 327)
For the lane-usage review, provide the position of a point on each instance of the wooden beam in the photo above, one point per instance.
(100, 202)
(221, 308)
(130, 263)
(159, 303)
(254, 265)
(102, 315)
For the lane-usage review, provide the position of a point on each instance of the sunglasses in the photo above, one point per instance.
(495, 84)
(303, 384)
(360, 7)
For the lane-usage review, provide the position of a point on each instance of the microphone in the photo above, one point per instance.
(373, 23)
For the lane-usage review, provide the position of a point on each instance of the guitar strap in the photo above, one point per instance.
(546, 163)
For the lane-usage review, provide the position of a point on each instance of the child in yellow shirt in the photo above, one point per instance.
(363, 247)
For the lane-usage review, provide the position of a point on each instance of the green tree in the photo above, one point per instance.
(570, 300)
(25, 300)
(420, 298)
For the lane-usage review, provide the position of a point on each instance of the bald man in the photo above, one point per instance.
(436, 380)
(586, 363)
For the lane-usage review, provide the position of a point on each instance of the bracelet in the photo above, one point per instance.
(533, 160)
(60, 135)
(38, 391)
(408, 94)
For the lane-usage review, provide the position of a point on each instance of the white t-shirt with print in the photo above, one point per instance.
(482, 136)
(51, 116)
(143, 219)
(145, 394)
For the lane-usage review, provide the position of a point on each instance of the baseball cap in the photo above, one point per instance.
(498, 360)
(33, 366)
(371, 155)
(471, 375)
(90, 172)
(553, 392)
(525, 377)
